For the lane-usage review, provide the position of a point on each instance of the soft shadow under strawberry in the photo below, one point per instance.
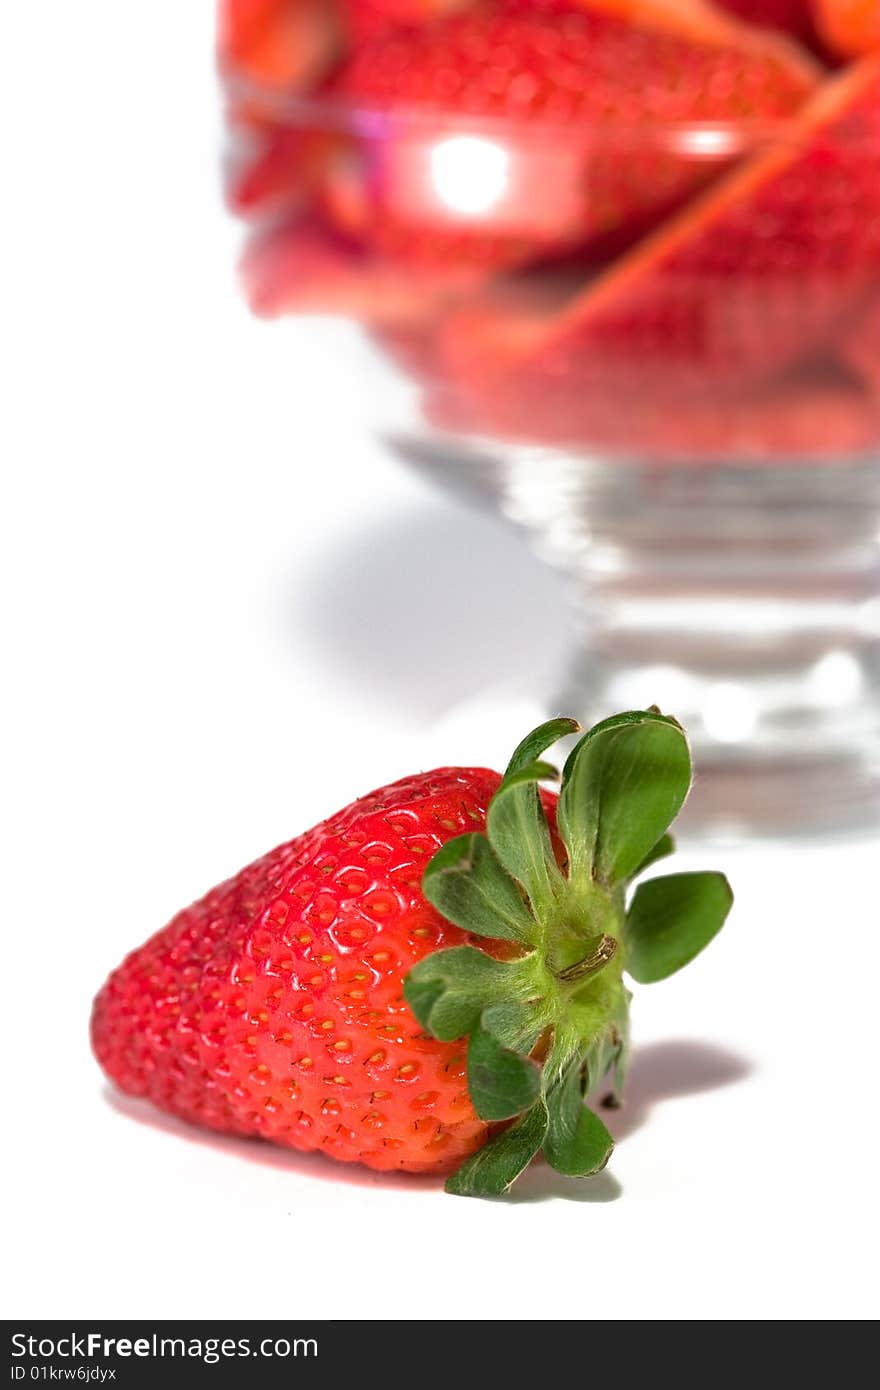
(660, 1072)
(673, 1070)
(307, 1165)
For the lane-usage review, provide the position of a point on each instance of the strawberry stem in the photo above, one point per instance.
(593, 963)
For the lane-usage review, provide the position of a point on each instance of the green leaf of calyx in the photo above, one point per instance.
(469, 886)
(538, 741)
(664, 847)
(494, 1168)
(547, 1026)
(520, 836)
(577, 1143)
(448, 990)
(671, 920)
(516, 1024)
(501, 1084)
(623, 785)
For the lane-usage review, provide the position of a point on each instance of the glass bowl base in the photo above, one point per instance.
(742, 598)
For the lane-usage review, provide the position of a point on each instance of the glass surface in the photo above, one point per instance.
(655, 345)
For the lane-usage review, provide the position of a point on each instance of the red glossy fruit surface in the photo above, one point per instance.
(273, 1006)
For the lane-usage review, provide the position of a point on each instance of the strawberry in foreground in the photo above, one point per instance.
(432, 980)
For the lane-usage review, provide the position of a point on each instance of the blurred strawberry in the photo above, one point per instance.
(862, 347)
(466, 119)
(740, 285)
(809, 414)
(302, 267)
(806, 417)
(723, 21)
(282, 45)
(365, 19)
(849, 27)
(700, 20)
(791, 16)
(281, 168)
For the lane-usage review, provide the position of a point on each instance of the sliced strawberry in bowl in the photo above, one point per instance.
(281, 45)
(303, 267)
(790, 16)
(779, 26)
(281, 167)
(809, 415)
(366, 19)
(849, 27)
(751, 277)
(568, 215)
(861, 348)
(517, 133)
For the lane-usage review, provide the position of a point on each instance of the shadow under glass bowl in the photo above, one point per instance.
(657, 348)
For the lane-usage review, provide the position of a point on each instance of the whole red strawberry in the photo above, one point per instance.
(327, 998)
(274, 1005)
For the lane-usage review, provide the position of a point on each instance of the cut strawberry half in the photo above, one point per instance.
(282, 45)
(849, 27)
(282, 166)
(741, 284)
(790, 16)
(804, 419)
(717, 21)
(814, 414)
(367, 19)
(302, 267)
(862, 347)
(466, 119)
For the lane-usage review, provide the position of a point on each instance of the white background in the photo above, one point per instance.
(227, 614)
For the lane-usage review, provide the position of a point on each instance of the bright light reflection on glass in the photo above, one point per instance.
(470, 175)
(709, 142)
(729, 713)
(836, 679)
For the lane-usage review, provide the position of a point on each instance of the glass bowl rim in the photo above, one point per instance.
(365, 122)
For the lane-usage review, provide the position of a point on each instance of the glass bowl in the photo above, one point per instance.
(656, 345)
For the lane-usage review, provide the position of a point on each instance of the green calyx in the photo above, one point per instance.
(546, 1015)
